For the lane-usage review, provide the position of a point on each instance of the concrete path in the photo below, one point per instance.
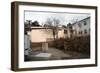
(57, 54)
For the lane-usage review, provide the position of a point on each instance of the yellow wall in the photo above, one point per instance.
(40, 35)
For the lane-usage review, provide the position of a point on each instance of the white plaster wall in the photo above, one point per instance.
(83, 27)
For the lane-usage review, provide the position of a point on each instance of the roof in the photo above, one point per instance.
(47, 28)
(81, 20)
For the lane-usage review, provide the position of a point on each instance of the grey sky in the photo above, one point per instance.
(65, 17)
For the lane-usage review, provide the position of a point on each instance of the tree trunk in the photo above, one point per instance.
(53, 30)
(56, 33)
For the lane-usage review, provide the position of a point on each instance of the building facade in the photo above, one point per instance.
(78, 29)
(81, 28)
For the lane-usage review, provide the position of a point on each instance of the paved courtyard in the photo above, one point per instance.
(56, 54)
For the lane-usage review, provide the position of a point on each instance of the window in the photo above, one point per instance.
(65, 31)
(85, 23)
(80, 32)
(85, 31)
(71, 31)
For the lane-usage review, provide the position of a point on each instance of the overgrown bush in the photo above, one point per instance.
(57, 43)
(79, 44)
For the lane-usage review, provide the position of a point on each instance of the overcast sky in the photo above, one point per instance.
(65, 17)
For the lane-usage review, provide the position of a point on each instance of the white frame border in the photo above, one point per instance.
(33, 64)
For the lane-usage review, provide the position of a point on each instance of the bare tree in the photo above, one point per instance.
(48, 23)
(29, 22)
(53, 23)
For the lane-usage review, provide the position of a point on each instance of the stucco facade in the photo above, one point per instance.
(41, 34)
(44, 34)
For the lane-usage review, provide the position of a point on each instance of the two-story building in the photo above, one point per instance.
(79, 28)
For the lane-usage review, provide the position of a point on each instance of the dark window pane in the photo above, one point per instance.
(85, 31)
(65, 31)
(85, 23)
(81, 32)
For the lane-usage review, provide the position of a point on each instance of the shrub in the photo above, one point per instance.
(79, 44)
(58, 43)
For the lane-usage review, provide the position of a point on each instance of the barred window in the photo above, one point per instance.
(80, 32)
(85, 23)
(85, 31)
(65, 31)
